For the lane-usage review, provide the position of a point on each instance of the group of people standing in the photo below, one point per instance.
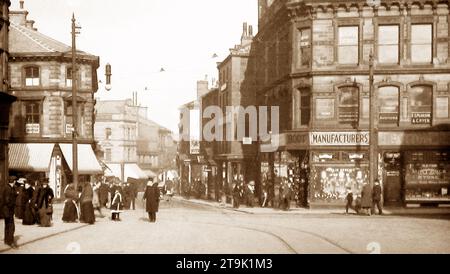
(28, 201)
(366, 202)
(243, 193)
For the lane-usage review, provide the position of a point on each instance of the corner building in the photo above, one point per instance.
(311, 58)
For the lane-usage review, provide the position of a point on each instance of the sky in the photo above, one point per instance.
(143, 36)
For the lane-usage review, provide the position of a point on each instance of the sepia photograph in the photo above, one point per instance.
(224, 127)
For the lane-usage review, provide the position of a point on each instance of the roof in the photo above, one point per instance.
(111, 107)
(26, 40)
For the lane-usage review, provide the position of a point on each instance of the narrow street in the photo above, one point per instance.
(196, 229)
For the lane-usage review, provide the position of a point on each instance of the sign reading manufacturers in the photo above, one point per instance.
(340, 138)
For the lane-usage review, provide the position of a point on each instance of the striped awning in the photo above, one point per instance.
(30, 157)
(87, 161)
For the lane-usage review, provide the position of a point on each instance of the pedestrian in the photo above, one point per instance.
(28, 216)
(96, 199)
(286, 194)
(366, 198)
(71, 211)
(349, 199)
(358, 204)
(86, 207)
(116, 205)
(8, 206)
(236, 195)
(151, 196)
(20, 199)
(133, 195)
(127, 196)
(103, 194)
(376, 197)
(250, 194)
(44, 204)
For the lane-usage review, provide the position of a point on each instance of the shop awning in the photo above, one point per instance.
(130, 171)
(87, 161)
(150, 174)
(30, 157)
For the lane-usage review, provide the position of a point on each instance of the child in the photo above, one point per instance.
(349, 199)
(116, 206)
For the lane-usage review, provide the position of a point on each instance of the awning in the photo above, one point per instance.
(87, 161)
(131, 171)
(30, 157)
(150, 174)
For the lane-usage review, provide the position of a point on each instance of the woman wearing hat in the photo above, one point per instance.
(70, 213)
(86, 206)
(151, 196)
(28, 216)
(44, 204)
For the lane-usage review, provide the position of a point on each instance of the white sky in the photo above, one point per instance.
(139, 38)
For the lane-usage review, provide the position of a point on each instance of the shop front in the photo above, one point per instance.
(339, 161)
(416, 167)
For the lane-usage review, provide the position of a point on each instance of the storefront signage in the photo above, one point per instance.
(421, 118)
(194, 147)
(339, 138)
(294, 140)
(414, 138)
(388, 118)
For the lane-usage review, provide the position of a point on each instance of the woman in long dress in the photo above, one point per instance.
(44, 204)
(87, 208)
(70, 214)
(28, 216)
(151, 196)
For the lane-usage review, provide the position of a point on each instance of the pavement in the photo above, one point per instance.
(207, 227)
(315, 209)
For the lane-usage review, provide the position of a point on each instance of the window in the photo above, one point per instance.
(108, 133)
(348, 105)
(32, 76)
(388, 44)
(32, 117)
(422, 43)
(421, 98)
(304, 42)
(108, 155)
(348, 45)
(388, 100)
(69, 77)
(305, 109)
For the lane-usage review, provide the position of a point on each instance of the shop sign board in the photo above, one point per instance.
(194, 147)
(340, 138)
(421, 118)
(414, 138)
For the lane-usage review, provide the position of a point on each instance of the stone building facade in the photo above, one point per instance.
(311, 58)
(40, 75)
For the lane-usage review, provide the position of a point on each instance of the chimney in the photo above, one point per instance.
(244, 29)
(250, 31)
(30, 24)
(21, 4)
(202, 88)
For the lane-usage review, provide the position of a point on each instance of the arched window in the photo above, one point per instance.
(388, 101)
(421, 101)
(32, 76)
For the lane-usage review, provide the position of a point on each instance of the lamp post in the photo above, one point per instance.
(373, 158)
(74, 105)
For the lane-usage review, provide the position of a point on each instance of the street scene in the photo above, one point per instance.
(225, 127)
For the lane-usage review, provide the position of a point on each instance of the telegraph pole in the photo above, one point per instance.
(373, 158)
(74, 106)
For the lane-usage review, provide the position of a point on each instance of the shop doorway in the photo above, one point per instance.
(392, 179)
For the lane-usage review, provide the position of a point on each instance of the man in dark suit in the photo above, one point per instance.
(376, 198)
(9, 204)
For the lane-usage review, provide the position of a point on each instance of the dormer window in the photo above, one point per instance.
(32, 76)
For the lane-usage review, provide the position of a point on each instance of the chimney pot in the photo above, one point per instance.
(250, 30)
(21, 4)
(244, 28)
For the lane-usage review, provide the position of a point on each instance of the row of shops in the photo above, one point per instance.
(413, 168)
